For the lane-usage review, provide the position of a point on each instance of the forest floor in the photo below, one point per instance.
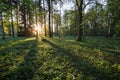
(60, 59)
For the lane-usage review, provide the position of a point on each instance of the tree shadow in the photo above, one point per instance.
(20, 61)
(96, 43)
(8, 45)
(83, 65)
(109, 48)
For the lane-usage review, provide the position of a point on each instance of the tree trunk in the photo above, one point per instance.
(49, 6)
(2, 28)
(52, 19)
(57, 30)
(111, 30)
(36, 21)
(111, 26)
(9, 28)
(45, 25)
(95, 22)
(80, 28)
(17, 17)
(44, 18)
(25, 24)
(12, 22)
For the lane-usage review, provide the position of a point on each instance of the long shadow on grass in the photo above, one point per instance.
(109, 47)
(106, 46)
(13, 45)
(88, 69)
(24, 70)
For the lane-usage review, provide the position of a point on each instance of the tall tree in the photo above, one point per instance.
(113, 15)
(11, 4)
(44, 18)
(2, 27)
(80, 28)
(49, 22)
(3, 7)
(17, 5)
(56, 17)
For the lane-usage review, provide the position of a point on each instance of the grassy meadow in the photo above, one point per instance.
(95, 58)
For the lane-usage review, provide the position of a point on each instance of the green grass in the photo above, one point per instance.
(60, 59)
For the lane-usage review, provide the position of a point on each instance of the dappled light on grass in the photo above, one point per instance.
(91, 58)
(60, 59)
(13, 45)
(15, 61)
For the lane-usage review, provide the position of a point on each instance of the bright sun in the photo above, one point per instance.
(38, 28)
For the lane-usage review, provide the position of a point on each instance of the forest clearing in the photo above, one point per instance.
(64, 59)
(59, 39)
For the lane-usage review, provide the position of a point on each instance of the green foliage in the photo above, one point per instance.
(70, 23)
(113, 9)
(117, 29)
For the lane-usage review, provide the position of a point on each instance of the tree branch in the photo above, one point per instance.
(77, 4)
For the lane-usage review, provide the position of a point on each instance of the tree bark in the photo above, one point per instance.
(44, 19)
(52, 19)
(36, 21)
(45, 25)
(12, 22)
(80, 28)
(111, 30)
(17, 17)
(49, 6)
(25, 24)
(111, 25)
(2, 26)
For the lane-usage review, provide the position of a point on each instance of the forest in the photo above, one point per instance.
(59, 39)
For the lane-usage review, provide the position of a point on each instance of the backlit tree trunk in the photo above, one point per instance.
(12, 21)
(49, 7)
(2, 27)
(51, 18)
(44, 18)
